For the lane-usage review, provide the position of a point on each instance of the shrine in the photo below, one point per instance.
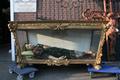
(63, 32)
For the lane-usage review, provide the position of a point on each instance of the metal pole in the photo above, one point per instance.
(105, 10)
(111, 10)
(12, 38)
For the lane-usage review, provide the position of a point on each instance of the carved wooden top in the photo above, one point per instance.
(57, 25)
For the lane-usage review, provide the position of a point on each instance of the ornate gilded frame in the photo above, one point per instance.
(57, 25)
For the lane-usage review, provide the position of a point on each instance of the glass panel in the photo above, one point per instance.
(95, 40)
(73, 44)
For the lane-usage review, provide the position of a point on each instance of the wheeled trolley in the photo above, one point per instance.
(22, 71)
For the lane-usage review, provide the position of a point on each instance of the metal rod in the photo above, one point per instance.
(111, 10)
(12, 37)
(105, 10)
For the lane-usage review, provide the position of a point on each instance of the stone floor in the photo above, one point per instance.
(74, 72)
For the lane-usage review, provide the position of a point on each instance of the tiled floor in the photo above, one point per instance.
(76, 72)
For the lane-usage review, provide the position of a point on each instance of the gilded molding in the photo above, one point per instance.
(100, 48)
(12, 27)
(55, 25)
(51, 62)
(57, 61)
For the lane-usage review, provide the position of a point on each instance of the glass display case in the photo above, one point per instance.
(58, 42)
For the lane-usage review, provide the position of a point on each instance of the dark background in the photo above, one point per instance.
(4, 18)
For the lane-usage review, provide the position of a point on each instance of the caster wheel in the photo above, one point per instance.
(10, 71)
(19, 77)
(31, 75)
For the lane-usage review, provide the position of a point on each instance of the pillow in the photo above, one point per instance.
(27, 53)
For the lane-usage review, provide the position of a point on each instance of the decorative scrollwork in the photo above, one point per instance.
(12, 27)
(88, 14)
(60, 26)
(57, 61)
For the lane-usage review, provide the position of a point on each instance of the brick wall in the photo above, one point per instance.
(60, 10)
(25, 16)
(63, 9)
(66, 9)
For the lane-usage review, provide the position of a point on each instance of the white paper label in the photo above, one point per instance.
(25, 5)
